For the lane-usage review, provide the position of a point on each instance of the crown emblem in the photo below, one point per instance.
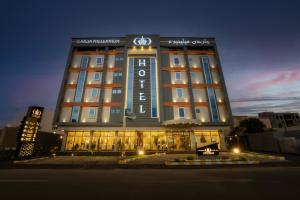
(140, 41)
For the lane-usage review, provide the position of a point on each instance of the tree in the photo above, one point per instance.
(252, 125)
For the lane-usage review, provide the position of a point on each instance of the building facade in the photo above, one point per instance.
(281, 120)
(174, 87)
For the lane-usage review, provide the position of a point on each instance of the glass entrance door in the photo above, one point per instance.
(179, 141)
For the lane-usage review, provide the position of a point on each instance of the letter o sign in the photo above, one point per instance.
(142, 72)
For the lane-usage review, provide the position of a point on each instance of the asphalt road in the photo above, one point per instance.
(236, 183)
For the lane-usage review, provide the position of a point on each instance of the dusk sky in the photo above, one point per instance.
(258, 42)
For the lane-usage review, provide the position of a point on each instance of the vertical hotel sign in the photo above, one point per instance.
(142, 89)
(27, 133)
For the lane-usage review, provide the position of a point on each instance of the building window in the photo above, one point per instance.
(177, 75)
(193, 74)
(92, 113)
(181, 112)
(116, 74)
(84, 61)
(118, 59)
(153, 88)
(99, 61)
(176, 61)
(197, 110)
(116, 91)
(210, 91)
(94, 92)
(97, 76)
(80, 86)
(75, 114)
(115, 111)
(179, 92)
(190, 59)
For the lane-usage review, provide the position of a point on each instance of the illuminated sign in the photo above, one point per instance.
(142, 89)
(142, 41)
(99, 42)
(189, 42)
(141, 93)
(28, 131)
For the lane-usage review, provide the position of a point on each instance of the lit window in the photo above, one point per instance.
(97, 76)
(119, 91)
(179, 92)
(94, 92)
(114, 91)
(181, 112)
(176, 61)
(99, 60)
(92, 113)
(177, 75)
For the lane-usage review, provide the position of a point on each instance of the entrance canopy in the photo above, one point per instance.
(182, 122)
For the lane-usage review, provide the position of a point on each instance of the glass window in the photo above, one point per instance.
(179, 92)
(176, 61)
(80, 85)
(84, 61)
(94, 92)
(75, 113)
(177, 75)
(99, 61)
(181, 112)
(92, 113)
(197, 110)
(97, 76)
(119, 91)
(213, 104)
(130, 85)
(193, 74)
(115, 111)
(153, 88)
(206, 68)
(210, 91)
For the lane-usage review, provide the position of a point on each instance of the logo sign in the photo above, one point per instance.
(27, 133)
(142, 41)
(98, 41)
(189, 42)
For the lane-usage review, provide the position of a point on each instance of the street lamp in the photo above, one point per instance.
(129, 115)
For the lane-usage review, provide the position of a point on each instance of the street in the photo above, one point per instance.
(235, 183)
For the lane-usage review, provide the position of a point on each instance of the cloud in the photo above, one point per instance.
(279, 79)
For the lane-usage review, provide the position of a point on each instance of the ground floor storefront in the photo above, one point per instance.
(132, 140)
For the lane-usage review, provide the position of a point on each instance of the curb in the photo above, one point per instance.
(125, 161)
(212, 162)
(25, 161)
(258, 155)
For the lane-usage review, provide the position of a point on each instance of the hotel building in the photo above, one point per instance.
(172, 88)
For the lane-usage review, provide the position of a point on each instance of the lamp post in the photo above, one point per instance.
(129, 115)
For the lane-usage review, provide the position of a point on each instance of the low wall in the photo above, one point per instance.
(263, 142)
(289, 145)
